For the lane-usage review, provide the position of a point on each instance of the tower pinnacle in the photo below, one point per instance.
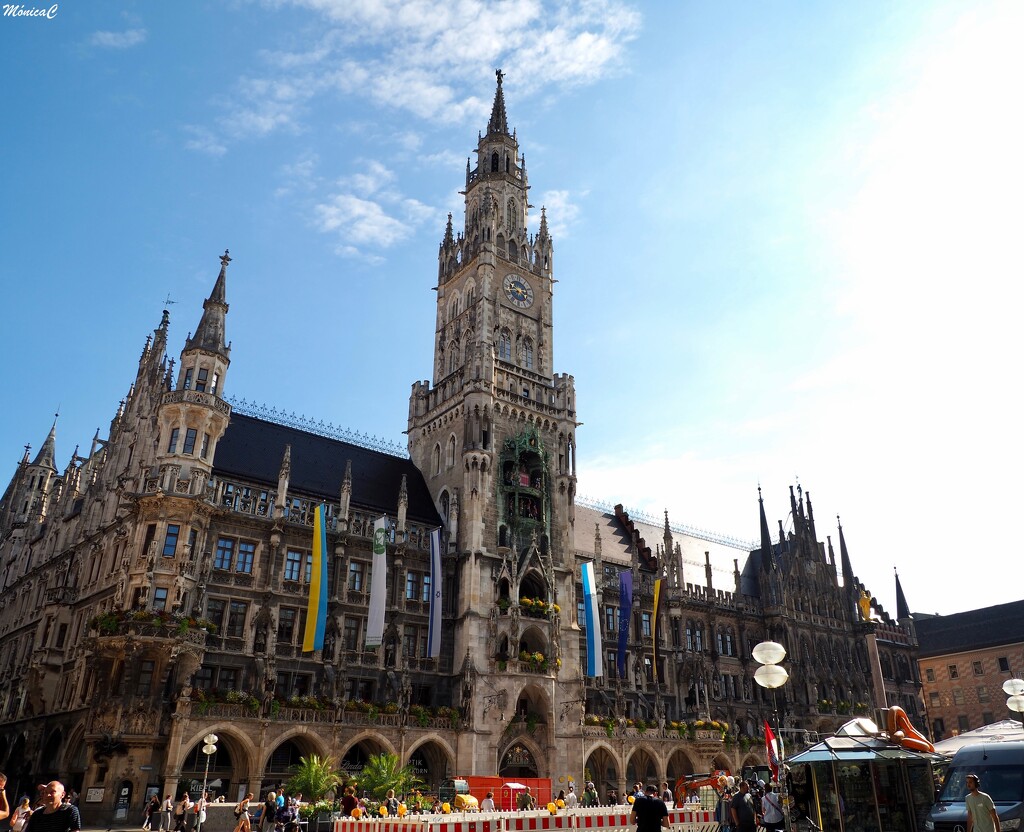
(209, 334)
(498, 122)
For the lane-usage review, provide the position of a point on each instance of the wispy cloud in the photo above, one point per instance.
(562, 212)
(428, 58)
(204, 141)
(367, 213)
(118, 40)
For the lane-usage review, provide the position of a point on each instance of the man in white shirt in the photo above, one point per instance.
(571, 801)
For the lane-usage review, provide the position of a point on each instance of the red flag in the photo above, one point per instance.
(771, 750)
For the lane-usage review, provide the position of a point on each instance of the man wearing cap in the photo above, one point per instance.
(649, 812)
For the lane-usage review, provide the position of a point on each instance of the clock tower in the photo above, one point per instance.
(494, 434)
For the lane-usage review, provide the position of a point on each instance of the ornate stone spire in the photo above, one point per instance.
(498, 122)
(209, 335)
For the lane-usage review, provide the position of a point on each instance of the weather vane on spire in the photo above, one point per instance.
(225, 259)
(499, 75)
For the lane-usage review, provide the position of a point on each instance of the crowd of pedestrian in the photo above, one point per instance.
(748, 805)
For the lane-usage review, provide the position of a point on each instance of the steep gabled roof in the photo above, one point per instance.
(252, 449)
(971, 630)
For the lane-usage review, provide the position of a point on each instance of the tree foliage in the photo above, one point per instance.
(382, 772)
(313, 777)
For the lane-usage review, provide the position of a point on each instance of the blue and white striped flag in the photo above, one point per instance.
(595, 667)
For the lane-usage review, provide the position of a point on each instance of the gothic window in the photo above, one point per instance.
(437, 459)
(453, 308)
(689, 636)
(453, 356)
(450, 455)
(505, 345)
(527, 353)
(445, 504)
(470, 295)
(510, 215)
(513, 250)
(698, 637)
(494, 162)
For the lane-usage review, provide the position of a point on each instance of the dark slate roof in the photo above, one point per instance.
(972, 630)
(252, 449)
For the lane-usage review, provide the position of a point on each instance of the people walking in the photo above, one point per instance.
(981, 811)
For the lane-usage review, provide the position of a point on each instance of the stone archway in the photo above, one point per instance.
(521, 758)
(602, 769)
(221, 778)
(679, 766)
(277, 769)
(356, 755)
(49, 759)
(432, 762)
(641, 767)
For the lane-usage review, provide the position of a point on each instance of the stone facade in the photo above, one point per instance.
(155, 589)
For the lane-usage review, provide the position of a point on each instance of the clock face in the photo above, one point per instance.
(518, 291)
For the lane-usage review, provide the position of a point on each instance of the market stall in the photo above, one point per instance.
(861, 780)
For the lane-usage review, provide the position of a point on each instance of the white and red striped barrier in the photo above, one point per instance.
(605, 818)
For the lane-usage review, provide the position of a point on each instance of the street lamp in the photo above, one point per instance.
(772, 675)
(1014, 689)
(209, 749)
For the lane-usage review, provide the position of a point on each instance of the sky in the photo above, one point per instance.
(786, 238)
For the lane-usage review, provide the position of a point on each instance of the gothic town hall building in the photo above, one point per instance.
(153, 590)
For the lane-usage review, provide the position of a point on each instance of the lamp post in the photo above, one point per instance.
(772, 675)
(1014, 690)
(209, 749)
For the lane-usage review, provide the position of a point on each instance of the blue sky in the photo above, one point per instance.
(785, 238)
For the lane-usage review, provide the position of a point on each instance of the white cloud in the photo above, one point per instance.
(561, 212)
(118, 40)
(368, 213)
(204, 141)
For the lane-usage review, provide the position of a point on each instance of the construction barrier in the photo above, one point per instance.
(605, 818)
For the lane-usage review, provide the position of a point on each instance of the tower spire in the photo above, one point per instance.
(902, 607)
(48, 452)
(844, 556)
(209, 335)
(767, 561)
(498, 122)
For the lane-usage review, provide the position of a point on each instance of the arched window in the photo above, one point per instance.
(505, 345)
(450, 456)
(494, 162)
(470, 295)
(437, 459)
(510, 216)
(527, 353)
(453, 308)
(445, 505)
(453, 356)
(513, 250)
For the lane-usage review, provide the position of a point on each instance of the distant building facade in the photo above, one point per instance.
(154, 589)
(965, 658)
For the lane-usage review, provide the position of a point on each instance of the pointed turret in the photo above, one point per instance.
(48, 452)
(209, 335)
(498, 122)
(844, 557)
(767, 559)
(902, 607)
